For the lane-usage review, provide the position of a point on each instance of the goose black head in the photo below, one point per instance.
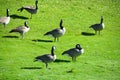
(25, 23)
(36, 3)
(7, 12)
(61, 24)
(52, 50)
(102, 19)
(78, 46)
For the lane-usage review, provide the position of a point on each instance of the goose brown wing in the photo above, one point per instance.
(29, 7)
(3, 19)
(52, 32)
(71, 52)
(94, 25)
(45, 58)
(18, 29)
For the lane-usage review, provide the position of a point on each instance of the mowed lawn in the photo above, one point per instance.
(101, 59)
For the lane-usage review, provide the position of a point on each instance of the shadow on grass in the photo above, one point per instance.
(40, 40)
(70, 71)
(15, 16)
(32, 68)
(60, 60)
(1, 59)
(10, 37)
(87, 34)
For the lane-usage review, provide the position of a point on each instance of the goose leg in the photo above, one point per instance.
(73, 59)
(95, 32)
(31, 16)
(46, 65)
(4, 26)
(99, 32)
(55, 39)
(22, 35)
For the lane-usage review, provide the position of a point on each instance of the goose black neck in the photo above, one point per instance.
(7, 12)
(80, 48)
(52, 51)
(36, 4)
(61, 27)
(101, 20)
(26, 24)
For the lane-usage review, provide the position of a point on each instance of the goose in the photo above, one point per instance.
(56, 33)
(98, 27)
(30, 9)
(21, 29)
(5, 20)
(47, 58)
(74, 52)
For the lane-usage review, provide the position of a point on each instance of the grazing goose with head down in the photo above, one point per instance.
(47, 58)
(5, 20)
(30, 9)
(98, 27)
(21, 29)
(74, 52)
(56, 33)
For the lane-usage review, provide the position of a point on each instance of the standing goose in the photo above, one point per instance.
(30, 9)
(47, 58)
(74, 52)
(58, 32)
(21, 29)
(5, 20)
(98, 27)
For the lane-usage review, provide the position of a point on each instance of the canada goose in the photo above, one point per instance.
(74, 52)
(5, 20)
(47, 58)
(21, 29)
(30, 9)
(98, 27)
(58, 32)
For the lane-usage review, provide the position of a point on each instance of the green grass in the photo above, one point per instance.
(101, 60)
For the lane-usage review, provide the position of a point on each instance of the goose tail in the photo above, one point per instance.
(63, 53)
(90, 27)
(35, 60)
(66, 53)
(13, 30)
(48, 33)
(20, 9)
